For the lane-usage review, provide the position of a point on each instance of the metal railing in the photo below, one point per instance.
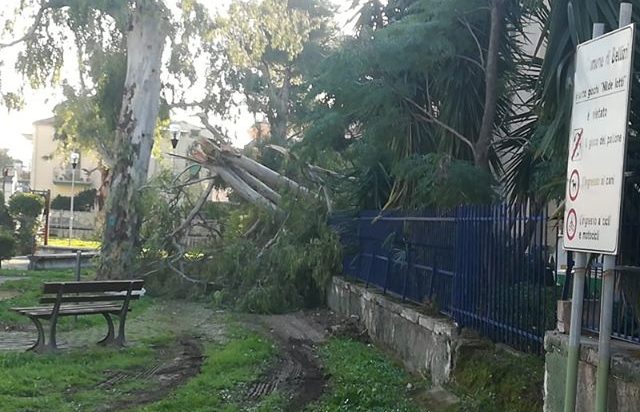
(626, 322)
(484, 266)
(65, 175)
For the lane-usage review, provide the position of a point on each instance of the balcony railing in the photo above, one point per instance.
(64, 176)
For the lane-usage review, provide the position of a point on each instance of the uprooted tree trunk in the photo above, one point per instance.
(251, 180)
(134, 141)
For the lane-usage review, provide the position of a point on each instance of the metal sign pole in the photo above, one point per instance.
(577, 299)
(606, 299)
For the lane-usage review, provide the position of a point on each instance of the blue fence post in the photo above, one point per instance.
(408, 255)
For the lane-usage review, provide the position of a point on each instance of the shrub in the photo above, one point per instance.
(26, 205)
(25, 209)
(83, 201)
(7, 246)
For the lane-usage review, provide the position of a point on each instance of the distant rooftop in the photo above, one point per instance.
(45, 122)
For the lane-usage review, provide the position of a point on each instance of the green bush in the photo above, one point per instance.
(25, 208)
(7, 246)
(26, 205)
(83, 201)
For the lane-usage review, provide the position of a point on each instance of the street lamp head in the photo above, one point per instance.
(175, 133)
(75, 156)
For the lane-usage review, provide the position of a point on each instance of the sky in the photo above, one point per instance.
(39, 103)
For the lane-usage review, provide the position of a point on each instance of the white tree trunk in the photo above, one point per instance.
(134, 141)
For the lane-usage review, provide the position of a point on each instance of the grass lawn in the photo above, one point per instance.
(499, 381)
(359, 377)
(80, 243)
(66, 381)
(363, 379)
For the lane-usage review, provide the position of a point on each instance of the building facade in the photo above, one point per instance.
(52, 170)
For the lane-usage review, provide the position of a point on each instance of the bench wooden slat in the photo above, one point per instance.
(87, 298)
(71, 310)
(64, 307)
(92, 286)
(66, 312)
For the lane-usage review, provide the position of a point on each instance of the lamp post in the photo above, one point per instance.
(74, 163)
(174, 128)
(5, 175)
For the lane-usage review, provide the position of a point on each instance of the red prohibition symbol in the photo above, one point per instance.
(572, 224)
(574, 185)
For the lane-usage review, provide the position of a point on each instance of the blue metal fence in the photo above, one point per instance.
(484, 266)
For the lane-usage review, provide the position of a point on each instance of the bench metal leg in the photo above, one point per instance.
(120, 340)
(52, 334)
(39, 345)
(109, 339)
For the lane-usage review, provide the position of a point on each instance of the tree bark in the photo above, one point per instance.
(243, 189)
(134, 141)
(259, 186)
(483, 144)
(270, 177)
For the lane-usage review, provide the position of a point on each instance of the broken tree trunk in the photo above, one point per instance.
(134, 141)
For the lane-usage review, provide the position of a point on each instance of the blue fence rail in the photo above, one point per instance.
(484, 266)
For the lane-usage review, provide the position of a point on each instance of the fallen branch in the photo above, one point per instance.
(196, 209)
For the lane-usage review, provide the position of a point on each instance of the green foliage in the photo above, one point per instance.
(287, 267)
(26, 208)
(7, 245)
(26, 205)
(265, 50)
(362, 379)
(498, 381)
(442, 181)
(162, 214)
(412, 85)
(83, 201)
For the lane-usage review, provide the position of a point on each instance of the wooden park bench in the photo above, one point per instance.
(104, 298)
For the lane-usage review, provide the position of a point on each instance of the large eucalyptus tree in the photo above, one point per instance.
(104, 30)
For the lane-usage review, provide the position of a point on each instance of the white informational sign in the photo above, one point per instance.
(597, 144)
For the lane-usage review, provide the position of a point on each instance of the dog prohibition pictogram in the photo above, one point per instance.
(574, 185)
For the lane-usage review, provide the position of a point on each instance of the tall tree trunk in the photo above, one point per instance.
(483, 143)
(134, 141)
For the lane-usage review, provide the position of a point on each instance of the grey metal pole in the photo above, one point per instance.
(73, 191)
(577, 299)
(78, 264)
(604, 335)
(606, 297)
(575, 332)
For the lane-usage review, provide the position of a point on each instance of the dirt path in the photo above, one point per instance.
(298, 371)
(174, 366)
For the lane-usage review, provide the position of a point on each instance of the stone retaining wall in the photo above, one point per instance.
(624, 376)
(424, 343)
